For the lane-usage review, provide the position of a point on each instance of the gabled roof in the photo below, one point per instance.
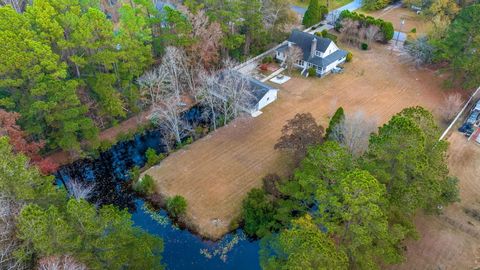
(304, 41)
(324, 62)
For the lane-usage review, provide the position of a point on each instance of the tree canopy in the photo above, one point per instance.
(51, 224)
(460, 47)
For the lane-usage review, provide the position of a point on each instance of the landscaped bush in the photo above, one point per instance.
(176, 205)
(312, 72)
(152, 157)
(386, 28)
(144, 185)
(364, 46)
(267, 59)
(349, 57)
(414, 30)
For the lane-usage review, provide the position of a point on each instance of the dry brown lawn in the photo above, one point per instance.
(215, 173)
(452, 240)
(396, 14)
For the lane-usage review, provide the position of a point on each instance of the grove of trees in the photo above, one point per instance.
(452, 41)
(42, 224)
(69, 69)
(352, 200)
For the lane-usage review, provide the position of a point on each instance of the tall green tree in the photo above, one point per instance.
(314, 14)
(354, 211)
(302, 247)
(257, 213)
(21, 182)
(50, 224)
(337, 118)
(460, 47)
(407, 157)
(103, 239)
(323, 166)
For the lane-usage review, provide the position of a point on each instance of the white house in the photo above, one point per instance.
(318, 52)
(263, 94)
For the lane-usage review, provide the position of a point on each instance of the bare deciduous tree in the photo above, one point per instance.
(168, 116)
(349, 30)
(421, 51)
(9, 243)
(354, 132)
(371, 32)
(173, 64)
(227, 94)
(153, 84)
(292, 56)
(18, 5)
(64, 262)
(79, 190)
(209, 98)
(452, 104)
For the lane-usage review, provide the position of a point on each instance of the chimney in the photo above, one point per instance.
(314, 47)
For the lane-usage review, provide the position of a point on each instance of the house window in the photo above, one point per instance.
(318, 53)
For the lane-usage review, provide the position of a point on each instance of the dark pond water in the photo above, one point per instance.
(182, 249)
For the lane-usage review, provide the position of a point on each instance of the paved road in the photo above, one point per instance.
(300, 10)
(333, 15)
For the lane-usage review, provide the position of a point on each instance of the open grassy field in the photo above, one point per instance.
(215, 173)
(452, 240)
(334, 4)
(396, 14)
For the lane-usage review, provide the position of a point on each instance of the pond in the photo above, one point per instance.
(182, 249)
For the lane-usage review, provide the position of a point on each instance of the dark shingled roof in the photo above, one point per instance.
(304, 41)
(324, 62)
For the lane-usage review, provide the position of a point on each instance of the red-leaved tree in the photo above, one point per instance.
(21, 144)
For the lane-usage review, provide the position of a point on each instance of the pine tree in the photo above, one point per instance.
(314, 14)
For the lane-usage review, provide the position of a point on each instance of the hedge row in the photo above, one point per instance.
(385, 27)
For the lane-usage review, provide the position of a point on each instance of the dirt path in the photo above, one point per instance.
(215, 173)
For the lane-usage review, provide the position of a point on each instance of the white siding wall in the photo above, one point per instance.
(332, 65)
(330, 49)
(269, 97)
(280, 56)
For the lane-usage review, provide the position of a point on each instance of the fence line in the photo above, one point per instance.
(459, 114)
(251, 60)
